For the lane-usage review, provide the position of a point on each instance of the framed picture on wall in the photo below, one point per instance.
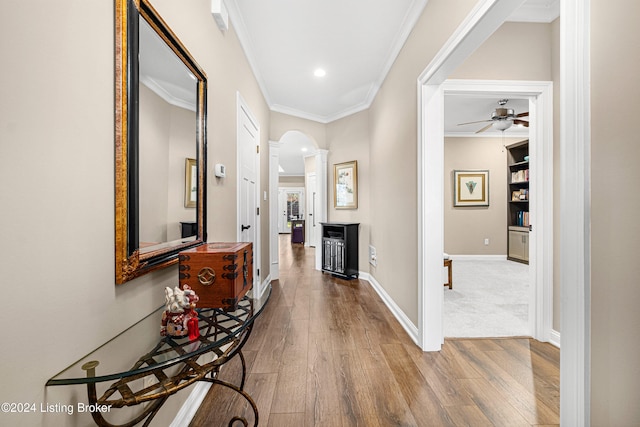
(190, 183)
(471, 188)
(345, 191)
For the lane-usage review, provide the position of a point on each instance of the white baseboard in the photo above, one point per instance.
(191, 405)
(263, 287)
(554, 338)
(478, 257)
(412, 330)
(406, 323)
(364, 276)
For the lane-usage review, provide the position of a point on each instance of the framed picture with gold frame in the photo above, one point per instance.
(345, 190)
(471, 188)
(190, 183)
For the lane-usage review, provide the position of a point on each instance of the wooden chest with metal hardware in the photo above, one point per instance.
(219, 273)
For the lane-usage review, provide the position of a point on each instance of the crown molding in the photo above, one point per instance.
(159, 90)
(409, 21)
(316, 118)
(541, 11)
(247, 46)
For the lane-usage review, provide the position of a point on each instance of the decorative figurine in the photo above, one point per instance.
(180, 319)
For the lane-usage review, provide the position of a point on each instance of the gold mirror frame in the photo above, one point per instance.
(130, 263)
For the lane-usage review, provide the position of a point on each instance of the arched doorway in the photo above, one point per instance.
(315, 185)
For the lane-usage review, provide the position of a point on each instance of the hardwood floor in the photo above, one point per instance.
(327, 352)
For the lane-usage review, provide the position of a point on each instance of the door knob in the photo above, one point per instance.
(245, 227)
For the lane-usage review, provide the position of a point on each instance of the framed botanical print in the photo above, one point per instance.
(345, 192)
(190, 183)
(471, 188)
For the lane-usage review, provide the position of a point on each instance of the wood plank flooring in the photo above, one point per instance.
(327, 352)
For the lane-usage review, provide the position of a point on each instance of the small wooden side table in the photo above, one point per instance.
(447, 263)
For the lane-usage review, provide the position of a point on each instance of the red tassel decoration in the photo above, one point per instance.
(192, 327)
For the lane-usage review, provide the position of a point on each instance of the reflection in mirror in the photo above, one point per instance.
(160, 143)
(167, 113)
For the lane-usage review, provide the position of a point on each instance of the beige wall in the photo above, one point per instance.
(282, 123)
(465, 228)
(182, 136)
(516, 51)
(57, 171)
(165, 143)
(198, 31)
(393, 118)
(348, 140)
(154, 132)
(291, 181)
(393, 157)
(615, 229)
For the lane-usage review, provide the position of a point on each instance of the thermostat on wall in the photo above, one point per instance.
(220, 170)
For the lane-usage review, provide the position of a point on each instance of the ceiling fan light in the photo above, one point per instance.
(502, 125)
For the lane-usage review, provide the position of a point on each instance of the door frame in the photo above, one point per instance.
(309, 239)
(431, 168)
(574, 144)
(242, 108)
(302, 201)
(274, 211)
(320, 156)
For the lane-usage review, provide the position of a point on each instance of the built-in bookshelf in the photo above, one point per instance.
(518, 201)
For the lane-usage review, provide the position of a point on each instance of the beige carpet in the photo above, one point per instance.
(488, 299)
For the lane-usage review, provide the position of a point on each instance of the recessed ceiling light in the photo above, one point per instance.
(304, 149)
(319, 72)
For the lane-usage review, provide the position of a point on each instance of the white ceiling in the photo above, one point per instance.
(356, 42)
(463, 109)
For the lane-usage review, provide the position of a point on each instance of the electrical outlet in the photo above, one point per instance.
(373, 258)
(486, 242)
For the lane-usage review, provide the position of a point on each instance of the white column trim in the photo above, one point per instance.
(274, 242)
(575, 215)
(321, 190)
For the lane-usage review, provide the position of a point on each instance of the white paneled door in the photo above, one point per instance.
(311, 223)
(291, 203)
(248, 143)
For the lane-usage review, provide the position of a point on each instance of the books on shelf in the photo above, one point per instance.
(522, 219)
(520, 176)
(520, 195)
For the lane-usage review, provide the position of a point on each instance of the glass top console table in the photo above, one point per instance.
(161, 366)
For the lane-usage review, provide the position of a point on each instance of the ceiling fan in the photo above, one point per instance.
(502, 118)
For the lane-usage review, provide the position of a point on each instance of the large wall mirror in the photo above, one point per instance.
(160, 143)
